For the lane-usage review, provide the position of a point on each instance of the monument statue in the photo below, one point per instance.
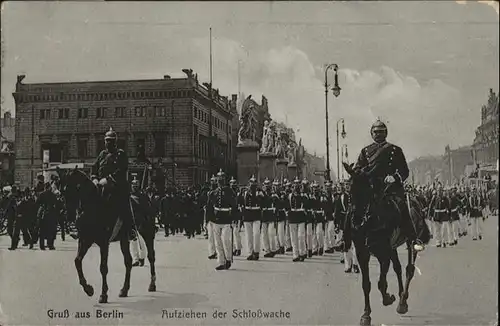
(269, 138)
(248, 121)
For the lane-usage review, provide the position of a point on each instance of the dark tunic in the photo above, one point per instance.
(269, 207)
(317, 207)
(222, 202)
(298, 205)
(476, 205)
(440, 208)
(454, 207)
(252, 210)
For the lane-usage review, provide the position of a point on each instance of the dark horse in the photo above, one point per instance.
(380, 234)
(95, 224)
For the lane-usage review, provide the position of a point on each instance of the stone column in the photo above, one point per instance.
(292, 171)
(281, 168)
(247, 158)
(267, 167)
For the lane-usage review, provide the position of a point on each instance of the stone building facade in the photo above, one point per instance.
(183, 125)
(485, 143)
(7, 154)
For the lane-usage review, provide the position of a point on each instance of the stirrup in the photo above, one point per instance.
(418, 245)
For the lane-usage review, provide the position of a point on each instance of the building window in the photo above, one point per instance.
(83, 113)
(120, 112)
(44, 114)
(160, 111)
(63, 113)
(82, 146)
(101, 113)
(160, 146)
(140, 111)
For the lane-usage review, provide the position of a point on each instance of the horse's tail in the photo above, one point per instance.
(418, 221)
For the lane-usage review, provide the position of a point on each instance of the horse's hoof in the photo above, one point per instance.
(402, 308)
(123, 293)
(388, 300)
(365, 321)
(103, 298)
(89, 290)
(152, 288)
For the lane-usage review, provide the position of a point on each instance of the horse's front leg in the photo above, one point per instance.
(127, 259)
(410, 272)
(104, 248)
(385, 262)
(83, 247)
(363, 260)
(396, 265)
(149, 237)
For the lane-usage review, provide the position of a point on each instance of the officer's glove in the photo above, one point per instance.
(103, 182)
(389, 179)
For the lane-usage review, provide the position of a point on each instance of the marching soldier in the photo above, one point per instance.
(454, 216)
(268, 230)
(463, 211)
(330, 225)
(10, 210)
(318, 201)
(223, 202)
(210, 218)
(476, 205)
(236, 218)
(287, 191)
(167, 210)
(110, 169)
(281, 209)
(46, 204)
(252, 216)
(439, 209)
(297, 222)
(309, 218)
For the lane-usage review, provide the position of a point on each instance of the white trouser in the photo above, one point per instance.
(298, 239)
(330, 235)
(320, 237)
(237, 237)
(309, 236)
(288, 239)
(211, 239)
(477, 227)
(437, 232)
(430, 225)
(443, 232)
(269, 241)
(223, 242)
(138, 248)
(252, 232)
(339, 237)
(281, 234)
(350, 257)
(455, 227)
(462, 223)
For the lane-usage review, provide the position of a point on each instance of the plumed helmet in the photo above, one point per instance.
(378, 125)
(267, 182)
(111, 134)
(232, 181)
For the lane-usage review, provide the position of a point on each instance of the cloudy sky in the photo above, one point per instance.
(425, 67)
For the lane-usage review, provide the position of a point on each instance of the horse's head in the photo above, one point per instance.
(359, 184)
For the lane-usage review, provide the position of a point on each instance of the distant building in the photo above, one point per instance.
(485, 143)
(455, 163)
(186, 129)
(425, 170)
(7, 155)
(313, 168)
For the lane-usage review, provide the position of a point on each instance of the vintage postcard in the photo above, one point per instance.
(241, 163)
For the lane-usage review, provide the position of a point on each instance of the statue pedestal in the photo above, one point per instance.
(281, 168)
(292, 171)
(247, 160)
(267, 167)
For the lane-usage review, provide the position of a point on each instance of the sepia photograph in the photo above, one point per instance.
(249, 163)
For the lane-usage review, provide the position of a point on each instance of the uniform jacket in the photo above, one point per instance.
(112, 166)
(455, 204)
(340, 206)
(269, 201)
(298, 205)
(46, 203)
(282, 207)
(476, 204)
(388, 160)
(252, 206)
(222, 203)
(317, 200)
(439, 208)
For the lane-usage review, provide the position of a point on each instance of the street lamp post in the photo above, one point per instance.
(343, 134)
(336, 93)
(345, 157)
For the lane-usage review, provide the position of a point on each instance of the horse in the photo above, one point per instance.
(95, 224)
(380, 234)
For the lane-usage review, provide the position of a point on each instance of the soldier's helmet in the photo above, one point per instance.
(378, 125)
(110, 134)
(233, 181)
(252, 180)
(135, 182)
(213, 179)
(328, 185)
(305, 182)
(276, 183)
(296, 181)
(221, 176)
(267, 182)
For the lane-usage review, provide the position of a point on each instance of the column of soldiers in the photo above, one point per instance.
(297, 217)
(37, 213)
(451, 212)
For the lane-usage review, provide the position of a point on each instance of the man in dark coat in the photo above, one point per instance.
(387, 168)
(110, 169)
(47, 217)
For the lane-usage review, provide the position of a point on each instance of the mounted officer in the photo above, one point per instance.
(387, 168)
(110, 170)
